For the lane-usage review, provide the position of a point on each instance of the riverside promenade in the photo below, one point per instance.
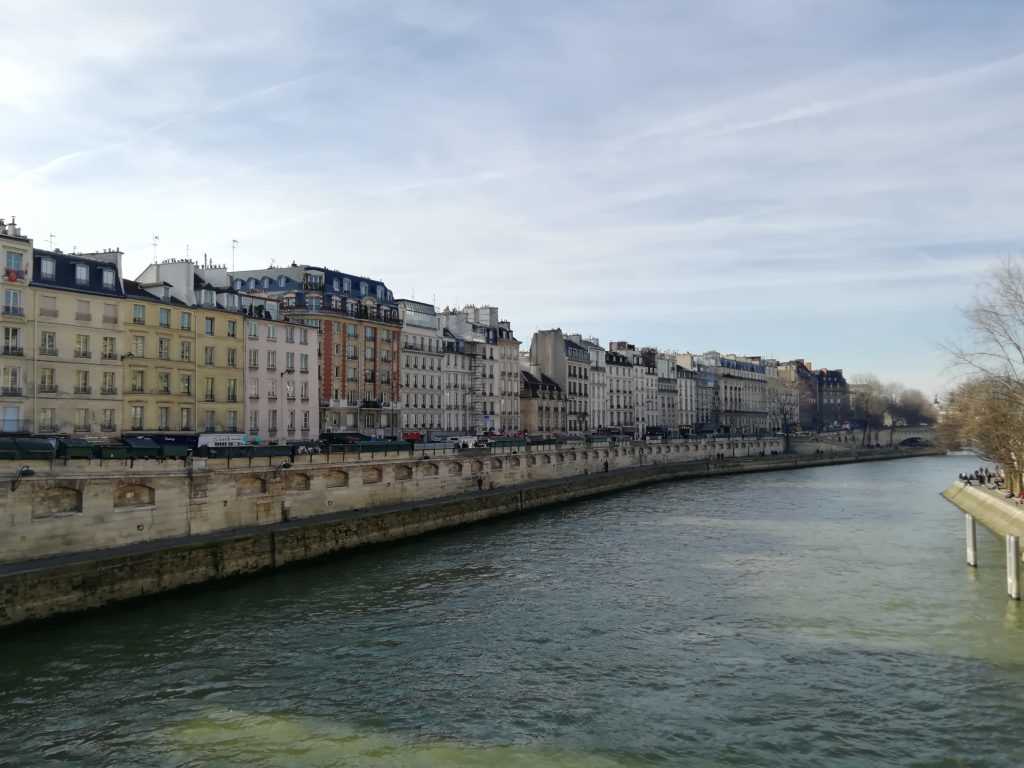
(312, 525)
(1002, 516)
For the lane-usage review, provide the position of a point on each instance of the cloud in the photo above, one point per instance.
(691, 175)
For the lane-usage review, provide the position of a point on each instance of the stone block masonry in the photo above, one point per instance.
(247, 520)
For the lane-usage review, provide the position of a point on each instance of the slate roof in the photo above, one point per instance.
(64, 274)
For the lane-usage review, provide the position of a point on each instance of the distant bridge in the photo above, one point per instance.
(896, 436)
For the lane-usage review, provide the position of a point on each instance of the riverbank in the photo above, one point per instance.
(69, 583)
(990, 508)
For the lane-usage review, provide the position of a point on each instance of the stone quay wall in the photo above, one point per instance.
(100, 535)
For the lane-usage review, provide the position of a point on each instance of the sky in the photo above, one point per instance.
(825, 180)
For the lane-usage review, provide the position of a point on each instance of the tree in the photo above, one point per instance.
(986, 411)
(914, 407)
(869, 403)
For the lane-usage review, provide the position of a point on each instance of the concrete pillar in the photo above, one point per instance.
(1013, 567)
(972, 541)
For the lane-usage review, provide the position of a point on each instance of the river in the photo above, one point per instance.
(819, 617)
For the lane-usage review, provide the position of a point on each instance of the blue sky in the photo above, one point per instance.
(819, 180)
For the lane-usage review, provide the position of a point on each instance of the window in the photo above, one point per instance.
(304, 363)
(46, 381)
(369, 334)
(254, 421)
(271, 332)
(305, 420)
(163, 417)
(138, 346)
(109, 348)
(186, 351)
(138, 381)
(271, 360)
(232, 421)
(48, 306)
(108, 420)
(12, 302)
(209, 326)
(138, 314)
(232, 328)
(232, 390)
(304, 335)
(351, 331)
(186, 384)
(210, 424)
(109, 384)
(186, 321)
(304, 390)
(165, 317)
(46, 420)
(232, 358)
(208, 391)
(163, 348)
(254, 358)
(83, 311)
(110, 313)
(164, 383)
(208, 355)
(253, 330)
(48, 343)
(291, 420)
(138, 416)
(254, 388)
(108, 279)
(289, 364)
(272, 421)
(289, 335)
(14, 261)
(48, 266)
(82, 420)
(81, 274)
(82, 345)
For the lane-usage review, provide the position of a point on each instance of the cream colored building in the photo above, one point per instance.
(17, 369)
(422, 384)
(79, 335)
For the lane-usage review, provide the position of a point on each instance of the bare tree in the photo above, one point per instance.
(986, 412)
(869, 403)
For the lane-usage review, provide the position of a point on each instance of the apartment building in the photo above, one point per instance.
(621, 383)
(158, 363)
(77, 366)
(360, 330)
(543, 408)
(458, 371)
(17, 373)
(493, 353)
(422, 385)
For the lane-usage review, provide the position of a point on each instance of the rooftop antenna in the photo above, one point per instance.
(187, 247)
(51, 241)
(234, 245)
(156, 242)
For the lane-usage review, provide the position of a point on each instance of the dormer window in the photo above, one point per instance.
(346, 284)
(81, 274)
(252, 283)
(337, 285)
(108, 278)
(165, 293)
(363, 288)
(49, 268)
(282, 281)
(266, 282)
(238, 284)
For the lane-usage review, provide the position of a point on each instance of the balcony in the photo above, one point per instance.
(15, 391)
(83, 390)
(84, 316)
(138, 390)
(83, 427)
(304, 398)
(209, 397)
(304, 370)
(232, 398)
(271, 367)
(83, 353)
(48, 313)
(14, 311)
(108, 391)
(253, 366)
(47, 389)
(289, 369)
(14, 351)
(108, 427)
(272, 396)
(290, 397)
(138, 321)
(14, 275)
(110, 319)
(109, 356)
